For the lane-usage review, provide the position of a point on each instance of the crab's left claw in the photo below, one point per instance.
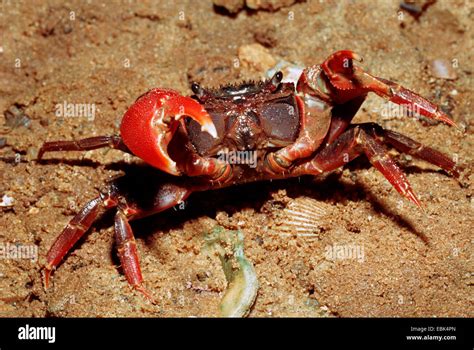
(339, 68)
(150, 123)
(349, 81)
(417, 104)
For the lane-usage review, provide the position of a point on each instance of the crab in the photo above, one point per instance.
(204, 142)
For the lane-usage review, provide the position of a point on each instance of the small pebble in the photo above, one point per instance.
(257, 57)
(269, 5)
(233, 6)
(33, 210)
(7, 201)
(67, 28)
(442, 69)
(15, 117)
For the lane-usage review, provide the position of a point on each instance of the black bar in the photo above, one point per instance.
(197, 333)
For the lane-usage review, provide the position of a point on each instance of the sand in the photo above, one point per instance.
(404, 261)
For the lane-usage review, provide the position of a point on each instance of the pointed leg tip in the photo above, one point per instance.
(450, 122)
(411, 196)
(46, 276)
(146, 293)
(444, 118)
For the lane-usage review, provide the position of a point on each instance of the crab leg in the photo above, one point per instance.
(73, 231)
(406, 145)
(350, 81)
(128, 254)
(83, 145)
(135, 196)
(343, 114)
(402, 96)
(80, 224)
(352, 144)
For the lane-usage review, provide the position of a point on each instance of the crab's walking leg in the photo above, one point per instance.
(87, 144)
(352, 144)
(145, 193)
(128, 254)
(73, 231)
(406, 145)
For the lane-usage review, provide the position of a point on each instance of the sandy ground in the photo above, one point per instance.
(414, 263)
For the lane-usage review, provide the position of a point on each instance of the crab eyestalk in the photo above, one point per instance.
(150, 123)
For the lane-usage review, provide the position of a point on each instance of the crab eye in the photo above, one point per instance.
(278, 77)
(196, 88)
(276, 80)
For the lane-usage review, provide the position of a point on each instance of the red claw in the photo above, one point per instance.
(338, 68)
(350, 81)
(150, 123)
(418, 104)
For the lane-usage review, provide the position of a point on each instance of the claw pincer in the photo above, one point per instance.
(344, 76)
(150, 123)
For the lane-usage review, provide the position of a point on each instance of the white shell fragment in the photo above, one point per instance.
(291, 72)
(7, 201)
(301, 217)
(443, 69)
(242, 283)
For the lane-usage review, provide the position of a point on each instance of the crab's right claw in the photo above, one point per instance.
(150, 123)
